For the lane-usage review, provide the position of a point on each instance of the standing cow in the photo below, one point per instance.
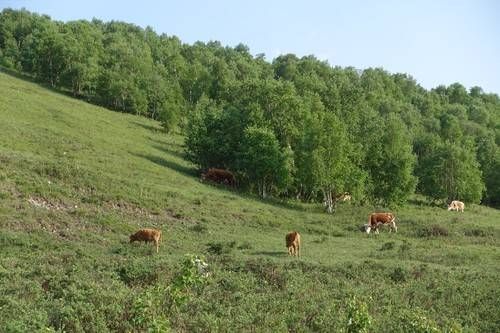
(375, 220)
(456, 206)
(292, 241)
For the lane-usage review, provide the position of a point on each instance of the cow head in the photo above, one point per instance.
(367, 228)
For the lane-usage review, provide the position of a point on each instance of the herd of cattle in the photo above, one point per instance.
(292, 239)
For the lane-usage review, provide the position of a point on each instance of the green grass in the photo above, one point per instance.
(97, 176)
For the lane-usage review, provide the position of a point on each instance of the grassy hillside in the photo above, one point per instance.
(76, 180)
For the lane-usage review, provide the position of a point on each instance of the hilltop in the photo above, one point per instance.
(76, 180)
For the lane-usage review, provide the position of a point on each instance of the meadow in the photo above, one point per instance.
(76, 180)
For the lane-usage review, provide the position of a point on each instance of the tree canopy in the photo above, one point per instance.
(321, 130)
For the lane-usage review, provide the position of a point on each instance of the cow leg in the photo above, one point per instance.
(298, 250)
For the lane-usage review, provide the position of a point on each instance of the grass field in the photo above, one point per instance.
(76, 180)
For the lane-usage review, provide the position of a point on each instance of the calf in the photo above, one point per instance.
(292, 241)
(377, 219)
(456, 206)
(147, 235)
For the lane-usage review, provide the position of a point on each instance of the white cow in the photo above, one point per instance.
(456, 205)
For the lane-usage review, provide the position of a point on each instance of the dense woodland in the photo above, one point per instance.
(296, 127)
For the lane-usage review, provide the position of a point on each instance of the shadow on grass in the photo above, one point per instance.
(188, 171)
(149, 127)
(271, 253)
(165, 149)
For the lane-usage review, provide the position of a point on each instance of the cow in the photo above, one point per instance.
(375, 220)
(292, 241)
(344, 197)
(456, 205)
(219, 176)
(147, 235)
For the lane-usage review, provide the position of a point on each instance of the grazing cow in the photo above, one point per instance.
(292, 240)
(219, 176)
(147, 235)
(375, 220)
(456, 205)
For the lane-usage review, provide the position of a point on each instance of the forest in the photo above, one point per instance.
(295, 127)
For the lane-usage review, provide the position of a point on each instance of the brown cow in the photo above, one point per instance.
(456, 205)
(219, 176)
(147, 235)
(292, 241)
(375, 220)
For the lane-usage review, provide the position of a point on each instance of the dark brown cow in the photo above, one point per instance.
(375, 220)
(219, 176)
(292, 241)
(147, 235)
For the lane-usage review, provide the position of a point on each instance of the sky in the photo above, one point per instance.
(436, 42)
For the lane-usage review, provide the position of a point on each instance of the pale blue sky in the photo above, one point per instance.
(437, 42)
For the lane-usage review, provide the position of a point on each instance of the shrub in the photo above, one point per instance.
(221, 247)
(146, 314)
(477, 232)
(432, 231)
(387, 246)
(138, 273)
(415, 321)
(399, 275)
(191, 277)
(358, 318)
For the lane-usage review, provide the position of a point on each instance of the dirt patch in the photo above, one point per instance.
(50, 205)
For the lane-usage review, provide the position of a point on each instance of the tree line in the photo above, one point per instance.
(293, 127)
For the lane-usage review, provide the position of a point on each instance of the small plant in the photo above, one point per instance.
(245, 246)
(138, 273)
(432, 231)
(476, 232)
(358, 317)
(199, 228)
(146, 311)
(193, 275)
(399, 275)
(415, 321)
(221, 247)
(387, 246)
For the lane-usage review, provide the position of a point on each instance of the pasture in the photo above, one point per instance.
(76, 180)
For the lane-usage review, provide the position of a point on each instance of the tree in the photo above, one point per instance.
(214, 135)
(390, 162)
(324, 159)
(451, 172)
(262, 160)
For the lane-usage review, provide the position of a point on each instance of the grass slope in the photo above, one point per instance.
(76, 180)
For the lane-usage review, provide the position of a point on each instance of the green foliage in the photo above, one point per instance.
(390, 162)
(146, 311)
(189, 279)
(358, 317)
(262, 160)
(415, 321)
(451, 172)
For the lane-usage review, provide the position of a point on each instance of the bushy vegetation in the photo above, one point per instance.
(325, 130)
